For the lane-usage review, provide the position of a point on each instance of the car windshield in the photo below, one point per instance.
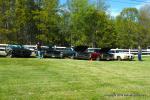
(93, 50)
(116, 51)
(111, 51)
(97, 50)
(90, 50)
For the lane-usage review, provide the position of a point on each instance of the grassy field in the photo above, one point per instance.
(64, 79)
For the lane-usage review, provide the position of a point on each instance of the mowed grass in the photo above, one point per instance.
(65, 79)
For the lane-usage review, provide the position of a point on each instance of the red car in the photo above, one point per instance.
(83, 52)
(100, 54)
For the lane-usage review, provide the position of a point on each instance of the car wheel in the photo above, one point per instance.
(119, 58)
(61, 56)
(53, 56)
(9, 55)
(72, 57)
(107, 58)
(130, 59)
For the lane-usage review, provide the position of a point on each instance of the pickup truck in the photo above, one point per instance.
(119, 54)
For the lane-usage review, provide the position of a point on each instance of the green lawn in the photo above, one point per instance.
(64, 79)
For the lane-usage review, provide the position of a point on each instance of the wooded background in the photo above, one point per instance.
(77, 22)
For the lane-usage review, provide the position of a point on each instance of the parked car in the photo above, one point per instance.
(32, 48)
(2, 49)
(100, 54)
(49, 51)
(59, 48)
(82, 53)
(119, 54)
(69, 53)
(17, 51)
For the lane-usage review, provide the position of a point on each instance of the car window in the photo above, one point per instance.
(2, 49)
(94, 50)
(111, 51)
(2, 46)
(119, 51)
(97, 50)
(90, 50)
(60, 49)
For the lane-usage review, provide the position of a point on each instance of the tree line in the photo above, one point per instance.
(77, 22)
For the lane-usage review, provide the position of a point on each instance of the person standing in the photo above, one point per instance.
(39, 50)
(139, 53)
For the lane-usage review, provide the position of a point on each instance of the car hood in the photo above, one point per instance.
(104, 50)
(80, 48)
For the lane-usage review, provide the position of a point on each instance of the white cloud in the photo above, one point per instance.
(115, 11)
(114, 14)
(142, 4)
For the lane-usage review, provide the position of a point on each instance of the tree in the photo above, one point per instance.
(46, 20)
(99, 29)
(7, 20)
(144, 21)
(127, 28)
(88, 23)
(78, 12)
(130, 14)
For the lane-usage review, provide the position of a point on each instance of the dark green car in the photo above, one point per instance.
(17, 51)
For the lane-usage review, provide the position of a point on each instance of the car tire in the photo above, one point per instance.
(119, 58)
(130, 59)
(72, 57)
(52, 56)
(9, 55)
(61, 56)
(108, 59)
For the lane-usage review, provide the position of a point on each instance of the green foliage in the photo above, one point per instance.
(144, 21)
(127, 32)
(130, 14)
(99, 30)
(78, 22)
(132, 28)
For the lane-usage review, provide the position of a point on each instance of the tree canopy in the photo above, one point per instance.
(77, 22)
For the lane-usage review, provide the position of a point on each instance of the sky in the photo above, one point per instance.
(116, 6)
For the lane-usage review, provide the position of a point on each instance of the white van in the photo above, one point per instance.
(2, 49)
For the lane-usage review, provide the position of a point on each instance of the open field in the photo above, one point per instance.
(65, 79)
